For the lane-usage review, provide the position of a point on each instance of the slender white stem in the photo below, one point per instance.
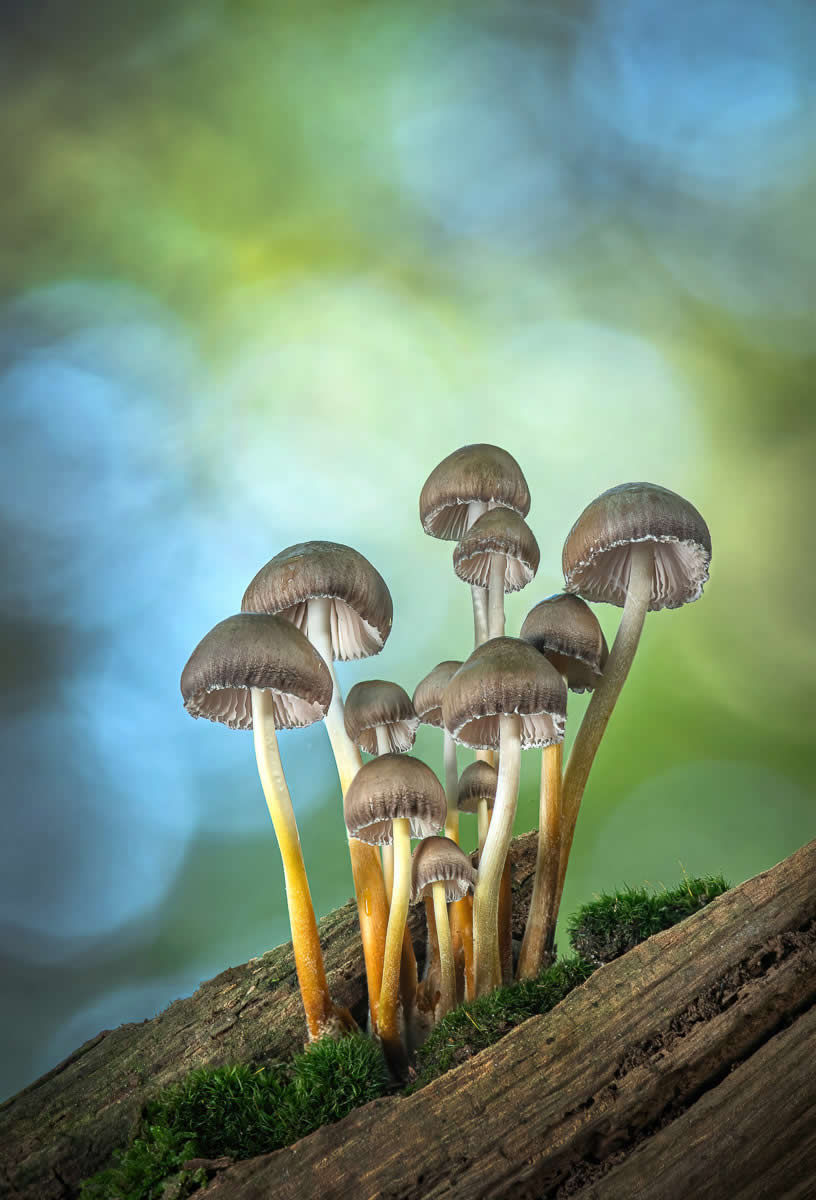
(495, 590)
(447, 999)
(483, 821)
(605, 695)
(388, 1021)
(476, 509)
(384, 747)
(346, 752)
(491, 863)
(451, 789)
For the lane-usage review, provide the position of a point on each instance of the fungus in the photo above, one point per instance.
(498, 552)
(442, 873)
(477, 794)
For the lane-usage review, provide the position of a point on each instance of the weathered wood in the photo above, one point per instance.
(583, 1101)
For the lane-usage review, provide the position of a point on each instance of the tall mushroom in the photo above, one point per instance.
(640, 547)
(342, 603)
(441, 872)
(506, 695)
(258, 672)
(498, 552)
(391, 798)
(566, 631)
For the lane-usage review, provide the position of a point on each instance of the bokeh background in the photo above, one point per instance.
(262, 267)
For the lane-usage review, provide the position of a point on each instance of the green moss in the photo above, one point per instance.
(472, 1027)
(614, 923)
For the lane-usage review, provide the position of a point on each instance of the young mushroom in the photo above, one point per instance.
(258, 672)
(640, 547)
(498, 552)
(391, 798)
(506, 695)
(477, 794)
(441, 872)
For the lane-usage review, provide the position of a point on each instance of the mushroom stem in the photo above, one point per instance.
(447, 999)
(369, 887)
(483, 824)
(495, 594)
(491, 862)
(461, 911)
(599, 709)
(431, 977)
(388, 1024)
(476, 509)
(539, 934)
(314, 991)
(384, 747)
(451, 788)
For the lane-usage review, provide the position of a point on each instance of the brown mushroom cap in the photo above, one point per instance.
(429, 691)
(499, 531)
(479, 472)
(596, 552)
(477, 782)
(502, 676)
(378, 702)
(256, 650)
(361, 611)
(391, 786)
(439, 860)
(566, 631)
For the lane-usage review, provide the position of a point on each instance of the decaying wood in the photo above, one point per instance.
(684, 1068)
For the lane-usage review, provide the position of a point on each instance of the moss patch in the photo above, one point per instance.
(614, 923)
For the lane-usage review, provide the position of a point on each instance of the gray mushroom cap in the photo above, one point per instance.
(429, 691)
(502, 676)
(440, 860)
(376, 702)
(596, 557)
(391, 786)
(499, 531)
(256, 650)
(477, 782)
(479, 472)
(566, 631)
(361, 611)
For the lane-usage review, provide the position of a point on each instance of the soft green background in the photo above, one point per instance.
(263, 266)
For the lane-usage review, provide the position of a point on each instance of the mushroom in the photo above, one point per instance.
(566, 631)
(477, 794)
(460, 489)
(389, 799)
(441, 874)
(342, 603)
(498, 552)
(258, 672)
(506, 695)
(643, 548)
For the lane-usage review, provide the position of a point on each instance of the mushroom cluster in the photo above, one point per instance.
(271, 666)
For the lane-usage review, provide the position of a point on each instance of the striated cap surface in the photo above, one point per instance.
(439, 860)
(566, 631)
(378, 702)
(429, 691)
(256, 650)
(477, 782)
(393, 785)
(361, 611)
(480, 472)
(596, 556)
(502, 676)
(499, 531)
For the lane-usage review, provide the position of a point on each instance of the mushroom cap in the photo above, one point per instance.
(256, 650)
(429, 691)
(502, 676)
(477, 782)
(361, 610)
(378, 702)
(499, 531)
(393, 785)
(596, 553)
(566, 631)
(439, 860)
(479, 472)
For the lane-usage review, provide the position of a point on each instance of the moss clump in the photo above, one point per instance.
(472, 1027)
(609, 926)
(240, 1111)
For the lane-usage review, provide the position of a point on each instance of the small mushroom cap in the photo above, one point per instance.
(596, 556)
(499, 531)
(439, 860)
(377, 702)
(502, 676)
(479, 472)
(393, 785)
(429, 691)
(361, 611)
(256, 650)
(477, 782)
(566, 631)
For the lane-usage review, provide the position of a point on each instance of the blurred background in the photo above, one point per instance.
(262, 267)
